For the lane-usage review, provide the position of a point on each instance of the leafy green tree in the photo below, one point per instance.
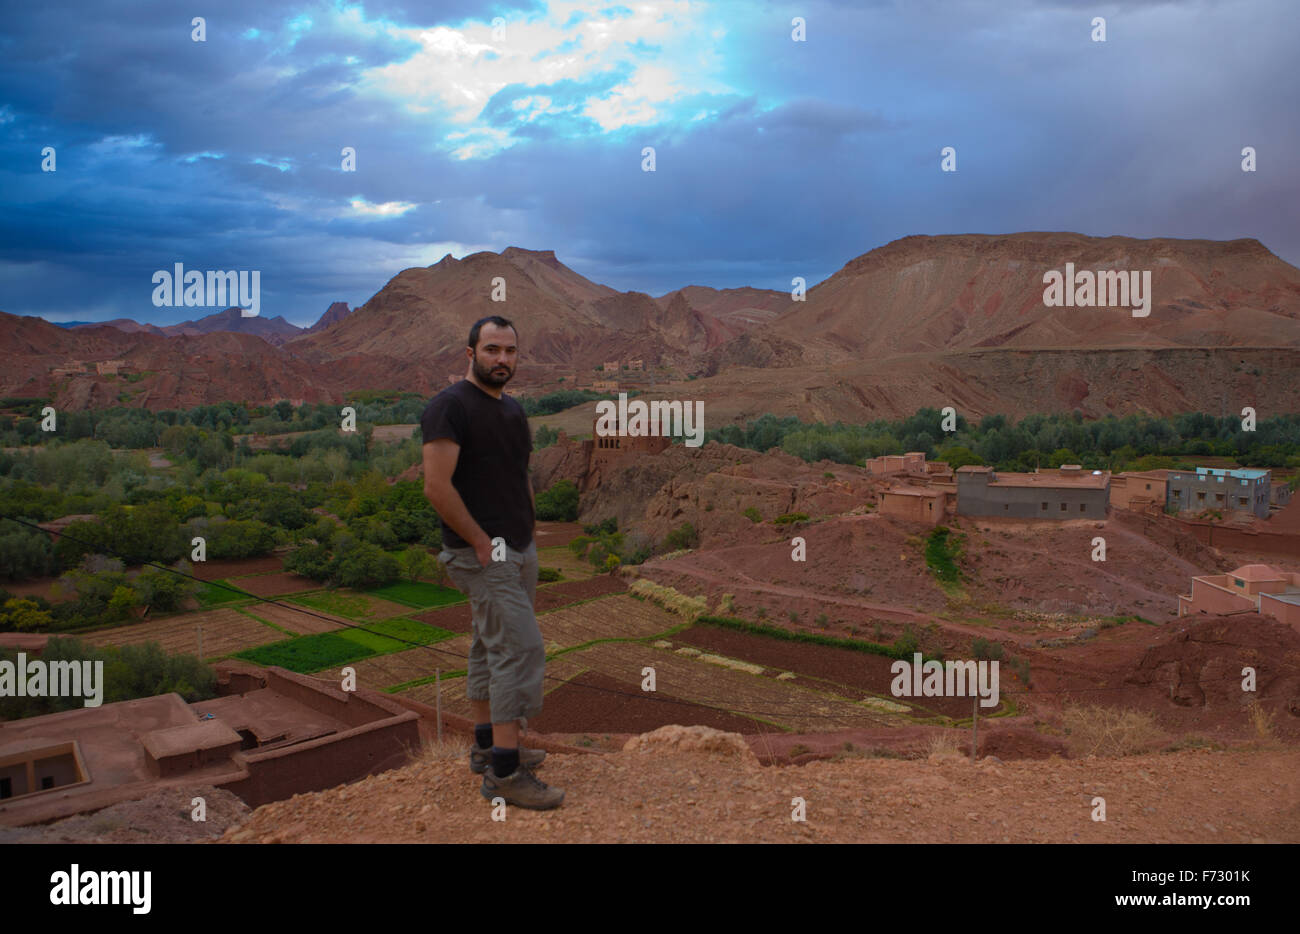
(416, 562)
(233, 538)
(311, 561)
(22, 615)
(364, 564)
(957, 456)
(559, 503)
(164, 590)
(24, 553)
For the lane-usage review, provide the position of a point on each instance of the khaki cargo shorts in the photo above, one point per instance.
(507, 657)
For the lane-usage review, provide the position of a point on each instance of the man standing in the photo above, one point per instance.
(476, 448)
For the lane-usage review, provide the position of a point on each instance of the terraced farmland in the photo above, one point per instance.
(224, 631)
(355, 606)
(298, 621)
(780, 703)
(558, 672)
(560, 557)
(616, 617)
(385, 671)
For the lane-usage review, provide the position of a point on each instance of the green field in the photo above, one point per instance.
(319, 651)
(353, 606)
(211, 594)
(409, 630)
(418, 594)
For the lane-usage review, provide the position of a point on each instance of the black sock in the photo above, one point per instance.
(504, 761)
(483, 735)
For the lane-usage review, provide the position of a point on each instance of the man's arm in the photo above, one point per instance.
(440, 458)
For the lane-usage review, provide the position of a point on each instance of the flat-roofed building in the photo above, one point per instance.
(1255, 588)
(1243, 492)
(1068, 493)
(270, 734)
(1139, 488)
(911, 462)
(913, 503)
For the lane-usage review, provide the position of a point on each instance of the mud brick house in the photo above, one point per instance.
(1070, 493)
(913, 503)
(601, 453)
(1139, 490)
(911, 462)
(1256, 588)
(270, 734)
(109, 367)
(1239, 493)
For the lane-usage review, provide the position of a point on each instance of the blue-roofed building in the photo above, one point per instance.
(1234, 493)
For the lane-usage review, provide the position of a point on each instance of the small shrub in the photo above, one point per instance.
(1193, 742)
(791, 517)
(941, 553)
(1262, 721)
(1105, 731)
(752, 515)
(822, 620)
(794, 616)
(684, 536)
(943, 746)
(604, 527)
(906, 644)
(986, 649)
(727, 604)
(546, 575)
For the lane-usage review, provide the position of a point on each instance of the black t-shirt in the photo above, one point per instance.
(491, 474)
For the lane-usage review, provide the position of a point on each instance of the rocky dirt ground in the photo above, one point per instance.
(164, 817)
(695, 785)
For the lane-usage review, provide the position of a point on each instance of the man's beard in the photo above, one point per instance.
(490, 376)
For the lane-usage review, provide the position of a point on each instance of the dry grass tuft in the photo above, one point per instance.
(943, 745)
(1108, 731)
(670, 599)
(1262, 721)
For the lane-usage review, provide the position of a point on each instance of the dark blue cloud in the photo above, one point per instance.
(796, 158)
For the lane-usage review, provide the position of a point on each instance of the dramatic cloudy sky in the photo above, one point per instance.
(775, 158)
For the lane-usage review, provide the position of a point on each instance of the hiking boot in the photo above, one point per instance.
(480, 760)
(523, 789)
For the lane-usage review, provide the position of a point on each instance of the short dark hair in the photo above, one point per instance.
(490, 319)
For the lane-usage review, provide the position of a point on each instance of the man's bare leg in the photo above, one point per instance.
(481, 711)
(506, 735)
